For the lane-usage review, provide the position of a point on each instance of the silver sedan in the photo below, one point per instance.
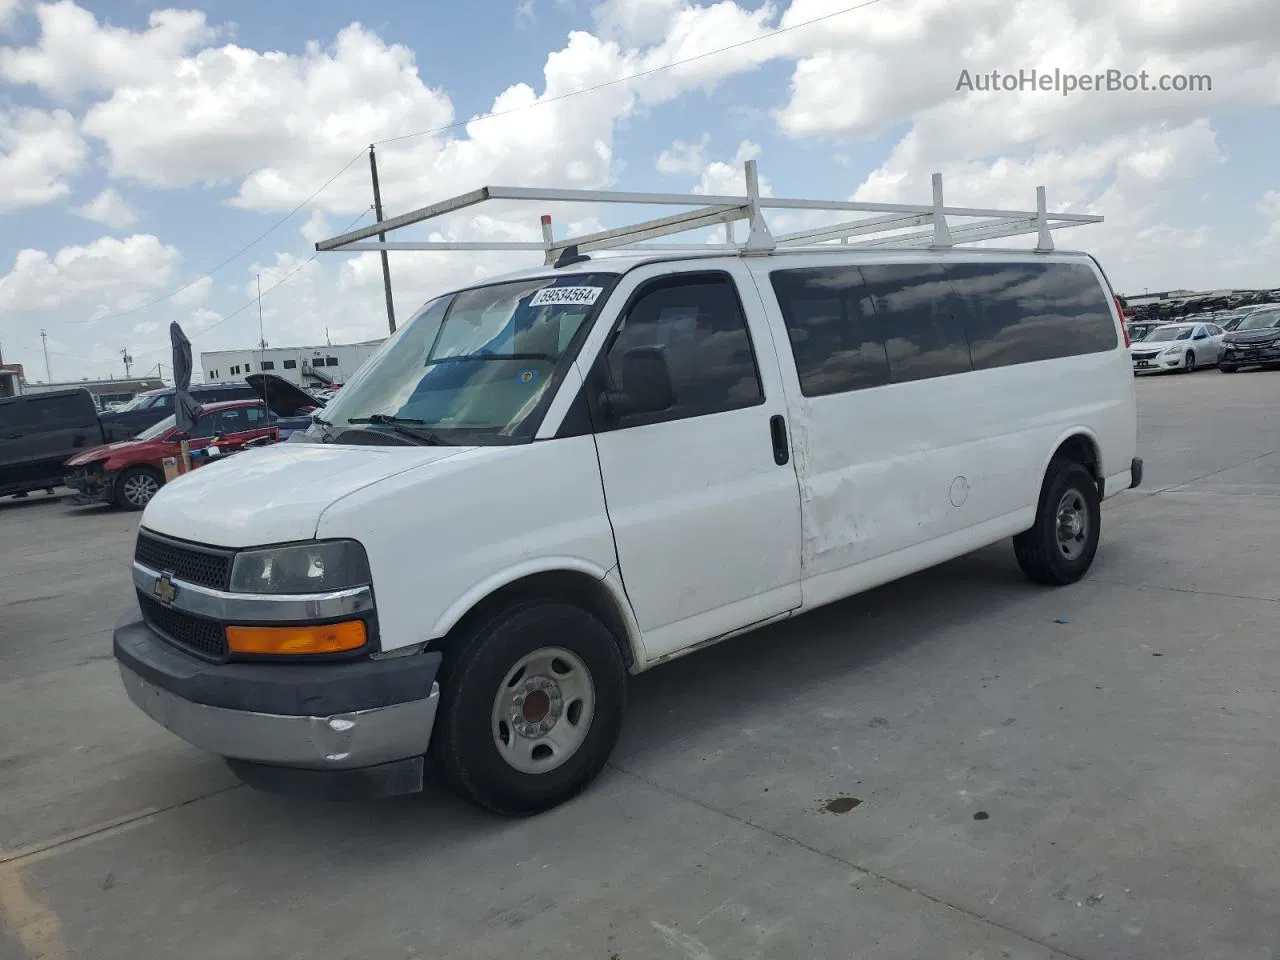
(1178, 346)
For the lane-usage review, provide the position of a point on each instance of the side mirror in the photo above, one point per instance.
(646, 384)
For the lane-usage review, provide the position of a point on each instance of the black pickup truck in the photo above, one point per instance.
(39, 432)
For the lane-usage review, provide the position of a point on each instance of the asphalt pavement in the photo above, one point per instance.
(958, 765)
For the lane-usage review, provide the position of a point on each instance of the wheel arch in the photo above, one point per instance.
(566, 579)
(1081, 445)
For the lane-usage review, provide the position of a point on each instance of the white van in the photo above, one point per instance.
(543, 483)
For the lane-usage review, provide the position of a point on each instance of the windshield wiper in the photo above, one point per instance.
(322, 421)
(475, 357)
(401, 426)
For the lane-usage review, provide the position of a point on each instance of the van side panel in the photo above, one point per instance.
(898, 477)
(446, 535)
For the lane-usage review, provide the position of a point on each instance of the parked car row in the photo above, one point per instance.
(57, 439)
(1253, 341)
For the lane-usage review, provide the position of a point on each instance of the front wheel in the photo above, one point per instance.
(136, 486)
(1189, 362)
(531, 709)
(1227, 367)
(1060, 548)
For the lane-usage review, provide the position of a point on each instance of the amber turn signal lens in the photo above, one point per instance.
(286, 641)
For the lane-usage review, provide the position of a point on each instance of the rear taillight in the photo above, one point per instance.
(1124, 327)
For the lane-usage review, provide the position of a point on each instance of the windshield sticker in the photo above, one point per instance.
(549, 296)
(526, 376)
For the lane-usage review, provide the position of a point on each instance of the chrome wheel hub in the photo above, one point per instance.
(139, 490)
(1072, 524)
(542, 712)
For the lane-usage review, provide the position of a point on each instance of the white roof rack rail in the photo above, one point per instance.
(882, 230)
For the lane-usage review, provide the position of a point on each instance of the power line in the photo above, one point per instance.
(634, 76)
(240, 309)
(279, 283)
(248, 246)
(463, 123)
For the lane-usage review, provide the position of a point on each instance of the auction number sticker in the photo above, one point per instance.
(575, 296)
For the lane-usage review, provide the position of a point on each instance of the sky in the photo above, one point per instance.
(159, 163)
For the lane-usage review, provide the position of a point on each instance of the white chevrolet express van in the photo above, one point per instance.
(543, 483)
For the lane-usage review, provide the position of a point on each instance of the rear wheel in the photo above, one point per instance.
(531, 708)
(1060, 548)
(136, 486)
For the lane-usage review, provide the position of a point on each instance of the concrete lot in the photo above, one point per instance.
(1087, 772)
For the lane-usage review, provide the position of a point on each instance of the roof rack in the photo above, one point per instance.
(884, 230)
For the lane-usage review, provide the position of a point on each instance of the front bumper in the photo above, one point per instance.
(1244, 356)
(91, 486)
(340, 729)
(1158, 364)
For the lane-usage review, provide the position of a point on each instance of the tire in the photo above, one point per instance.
(132, 486)
(1227, 368)
(476, 708)
(1189, 362)
(1043, 557)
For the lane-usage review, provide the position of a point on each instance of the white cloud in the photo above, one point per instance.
(38, 151)
(77, 54)
(684, 157)
(194, 293)
(107, 274)
(1269, 207)
(729, 178)
(280, 123)
(316, 228)
(9, 13)
(108, 208)
(851, 80)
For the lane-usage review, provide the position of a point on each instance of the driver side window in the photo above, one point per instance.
(205, 426)
(691, 330)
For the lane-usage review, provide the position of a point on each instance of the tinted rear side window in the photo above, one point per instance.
(831, 323)
(924, 336)
(1025, 312)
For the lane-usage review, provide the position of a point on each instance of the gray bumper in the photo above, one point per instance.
(342, 741)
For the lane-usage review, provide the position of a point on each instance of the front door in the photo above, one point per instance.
(702, 495)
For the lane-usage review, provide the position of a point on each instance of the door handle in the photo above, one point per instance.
(778, 432)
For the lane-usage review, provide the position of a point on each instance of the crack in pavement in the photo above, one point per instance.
(849, 864)
(36, 926)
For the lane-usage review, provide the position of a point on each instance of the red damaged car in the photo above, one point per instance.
(130, 472)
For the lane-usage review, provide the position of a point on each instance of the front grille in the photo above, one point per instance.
(1146, 356)
(200, 636)
(203, 566)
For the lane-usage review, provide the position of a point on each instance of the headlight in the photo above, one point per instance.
(318, 567)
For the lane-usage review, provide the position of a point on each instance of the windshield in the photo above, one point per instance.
(1260, 320)
(1168, 333)
(481, 362)
(158, 429)
(140, 402)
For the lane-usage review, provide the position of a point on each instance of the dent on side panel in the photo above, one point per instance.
(884, 469)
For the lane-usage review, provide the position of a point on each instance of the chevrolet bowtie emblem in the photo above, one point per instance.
(164, 590)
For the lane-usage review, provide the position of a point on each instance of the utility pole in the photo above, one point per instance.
(128, 361)
(382, 238)
(44, 340)
(262, 337)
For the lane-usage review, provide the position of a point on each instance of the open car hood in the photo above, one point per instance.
(282, 397)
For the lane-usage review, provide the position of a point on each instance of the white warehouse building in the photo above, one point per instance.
(307, 367)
